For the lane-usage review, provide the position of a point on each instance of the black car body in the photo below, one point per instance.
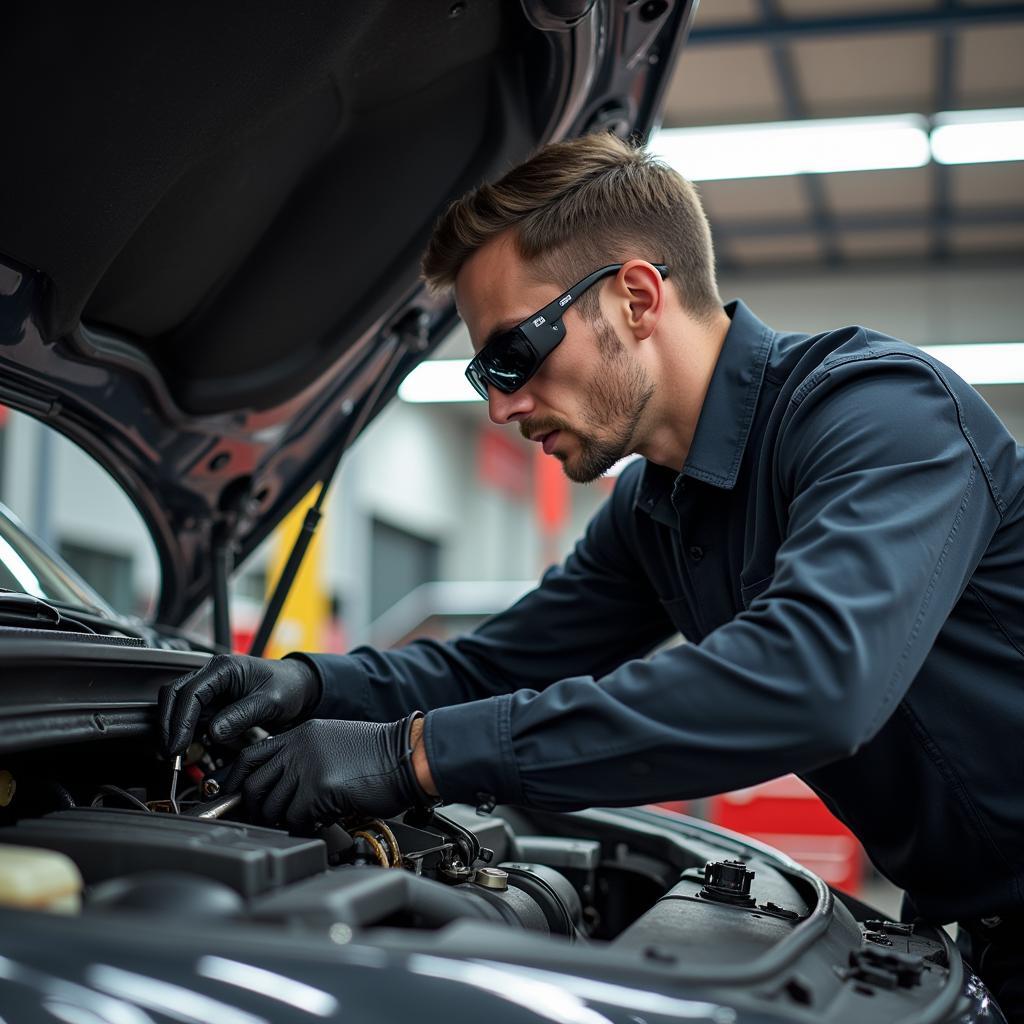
(210, 224)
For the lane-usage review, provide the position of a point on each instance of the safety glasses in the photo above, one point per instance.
(512, 357)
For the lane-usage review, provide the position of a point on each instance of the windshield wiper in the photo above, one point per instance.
(25, 610)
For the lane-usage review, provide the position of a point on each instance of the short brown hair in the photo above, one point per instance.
(581, 204)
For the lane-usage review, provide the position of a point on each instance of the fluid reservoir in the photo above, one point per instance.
(33, 879)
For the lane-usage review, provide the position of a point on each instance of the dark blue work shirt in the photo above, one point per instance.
(844, 552)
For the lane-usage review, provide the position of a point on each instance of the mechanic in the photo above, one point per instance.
(835, 523)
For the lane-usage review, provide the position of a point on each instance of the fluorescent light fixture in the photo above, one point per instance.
(978, 136)
(983, 363)
(438, 380)
(795, 147)
(778, 148)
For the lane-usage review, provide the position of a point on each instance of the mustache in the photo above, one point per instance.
(534, 428)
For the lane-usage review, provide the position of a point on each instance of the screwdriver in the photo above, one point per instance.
(174, 785)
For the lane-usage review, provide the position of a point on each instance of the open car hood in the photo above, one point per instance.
(212, 217)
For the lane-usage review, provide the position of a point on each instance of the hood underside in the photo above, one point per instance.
(211, 218)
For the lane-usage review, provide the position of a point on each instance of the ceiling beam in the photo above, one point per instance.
(795, 110)
(945, 95)
(759, 228)
(782, 30)
(771, 267)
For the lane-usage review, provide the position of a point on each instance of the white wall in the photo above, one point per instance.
(411, 467)
(415, 467)
(925, 306)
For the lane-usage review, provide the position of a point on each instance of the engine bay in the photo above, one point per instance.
(138, 847)
(629, 893)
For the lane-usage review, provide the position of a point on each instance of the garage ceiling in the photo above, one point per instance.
(779, 60)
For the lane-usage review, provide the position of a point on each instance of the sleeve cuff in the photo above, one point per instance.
(343, 687)
(469, 749)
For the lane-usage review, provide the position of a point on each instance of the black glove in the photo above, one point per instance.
(252, 691)
(326, 770)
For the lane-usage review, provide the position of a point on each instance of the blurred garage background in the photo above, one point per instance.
(438, 518)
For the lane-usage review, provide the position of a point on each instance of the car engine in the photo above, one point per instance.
(643, 896)
(204, 867)
(197, 856)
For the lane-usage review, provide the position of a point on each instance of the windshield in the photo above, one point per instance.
(28, 568)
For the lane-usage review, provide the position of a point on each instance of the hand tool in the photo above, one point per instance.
(174, 785)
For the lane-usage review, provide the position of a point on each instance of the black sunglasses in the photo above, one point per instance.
(512, 357)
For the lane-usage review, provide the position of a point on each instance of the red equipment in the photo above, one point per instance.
(787, 814)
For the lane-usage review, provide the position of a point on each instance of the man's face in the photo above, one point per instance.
(585, 402)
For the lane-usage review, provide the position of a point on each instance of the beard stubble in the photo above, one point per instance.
(613, 403)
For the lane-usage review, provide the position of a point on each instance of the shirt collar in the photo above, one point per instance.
(727, 413)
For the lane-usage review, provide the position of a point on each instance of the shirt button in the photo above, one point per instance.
(696, 552)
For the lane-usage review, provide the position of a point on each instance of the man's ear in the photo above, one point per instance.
(641, 290)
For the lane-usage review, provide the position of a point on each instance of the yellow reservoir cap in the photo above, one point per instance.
(35, 879)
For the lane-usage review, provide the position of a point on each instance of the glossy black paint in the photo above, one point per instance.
(129, 974)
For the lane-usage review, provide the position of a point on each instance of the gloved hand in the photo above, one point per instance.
(326, 770)
(252, 691)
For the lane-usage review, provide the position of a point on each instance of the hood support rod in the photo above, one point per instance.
(222, 560)
(291, 568)
(313, 513)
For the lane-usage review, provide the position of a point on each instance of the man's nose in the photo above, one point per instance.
(503, 408)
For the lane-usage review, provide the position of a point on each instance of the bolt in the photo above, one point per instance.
(211, 787)
(340, 933)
